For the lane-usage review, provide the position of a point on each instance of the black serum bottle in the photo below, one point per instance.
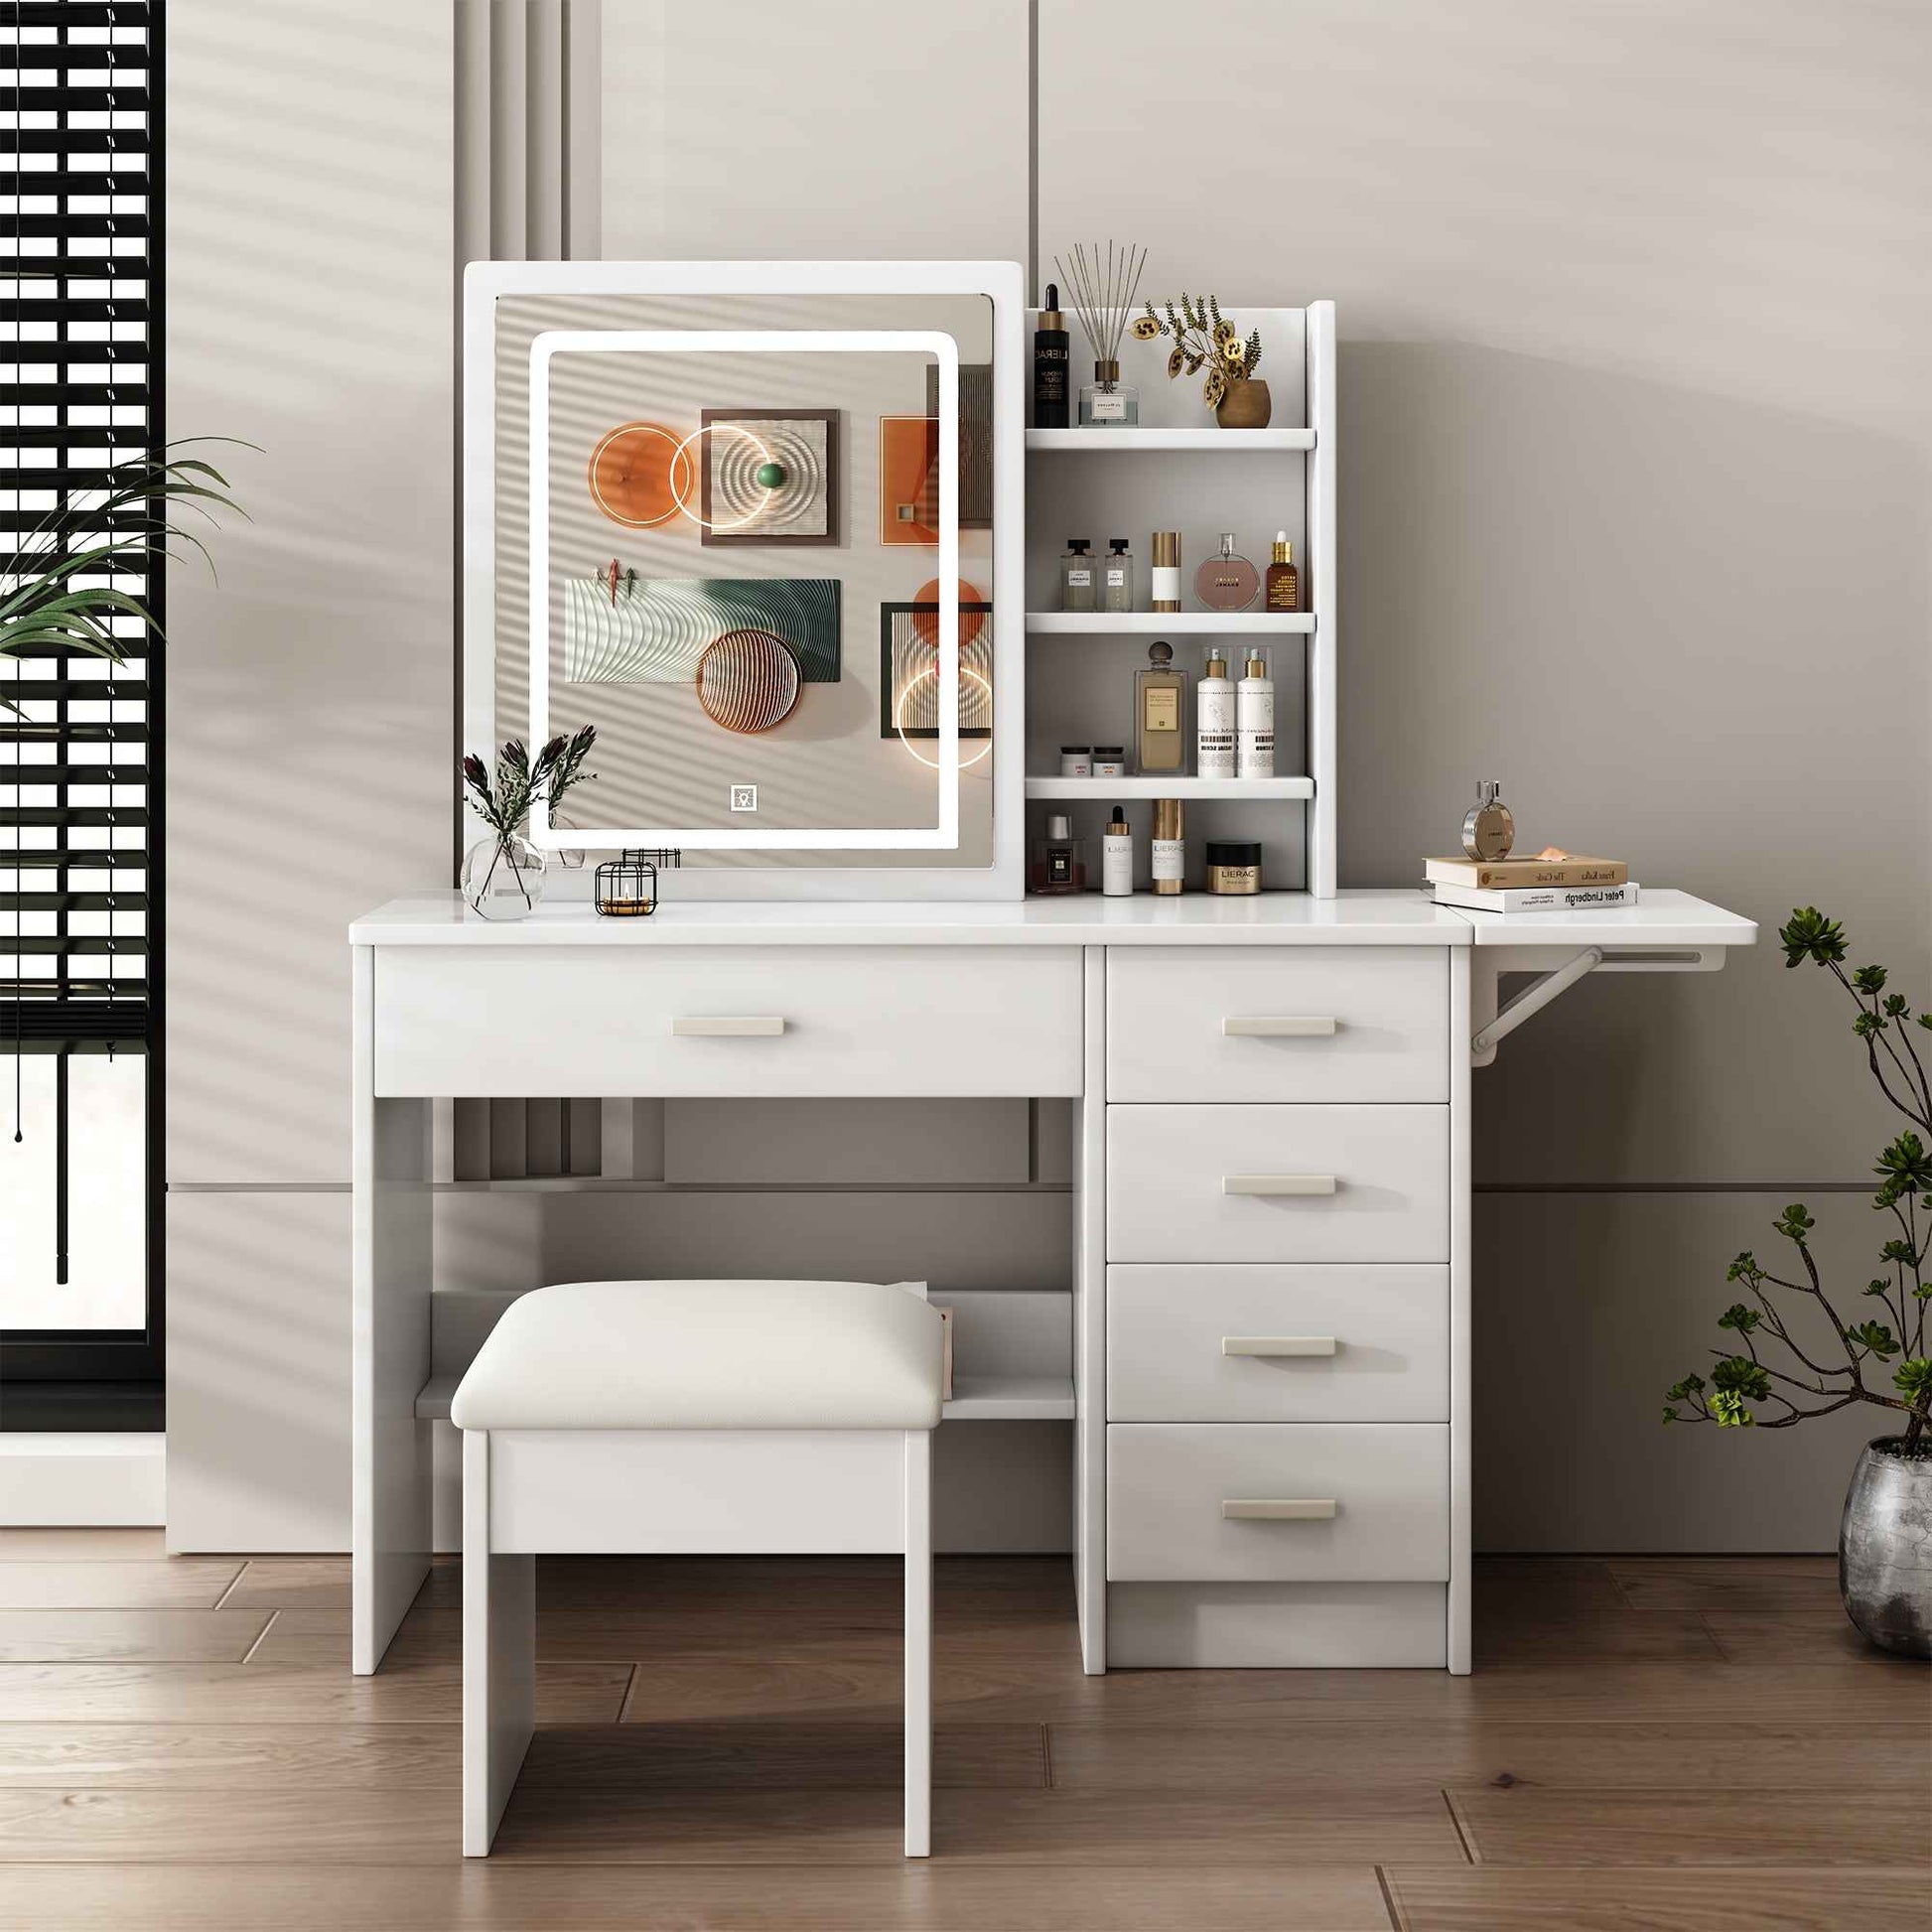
(1050, 365)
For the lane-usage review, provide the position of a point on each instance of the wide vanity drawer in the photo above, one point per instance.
(1278, 1502)
(1278, 1183)
(1339, 1343)
(1278, 1023)
(826, 1020)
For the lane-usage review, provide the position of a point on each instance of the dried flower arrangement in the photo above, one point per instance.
(1202, 337)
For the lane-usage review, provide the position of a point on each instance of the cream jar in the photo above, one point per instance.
(1233, 865)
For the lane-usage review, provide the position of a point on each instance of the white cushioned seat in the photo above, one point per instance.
(707, 1355)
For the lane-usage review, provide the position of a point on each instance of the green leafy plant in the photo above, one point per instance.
(1741, 1382)
(63, 590)
(1202, 337)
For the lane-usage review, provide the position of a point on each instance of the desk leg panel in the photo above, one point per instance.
(392, 1263)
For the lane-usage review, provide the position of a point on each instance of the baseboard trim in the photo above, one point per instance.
(55, 1480)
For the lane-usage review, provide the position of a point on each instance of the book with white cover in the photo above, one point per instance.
(1537, 898)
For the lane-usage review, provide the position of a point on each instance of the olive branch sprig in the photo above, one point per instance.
(1740, 1378)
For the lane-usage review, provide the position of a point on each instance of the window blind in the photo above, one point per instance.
(81, 386)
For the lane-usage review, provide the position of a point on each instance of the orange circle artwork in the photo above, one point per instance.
(925, 623)
(639, 473)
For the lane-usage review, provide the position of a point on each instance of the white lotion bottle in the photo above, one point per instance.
(1214, 718)
(1117, 857)
(1254, 722)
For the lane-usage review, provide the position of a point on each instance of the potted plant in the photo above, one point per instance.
(63, 594)
(1204, 338)
(1884, 1546)
(502, 874)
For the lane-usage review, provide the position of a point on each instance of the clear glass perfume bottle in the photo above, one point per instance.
(1116, 577)
(1229, 582)
(1107, 402)
(1076, 575)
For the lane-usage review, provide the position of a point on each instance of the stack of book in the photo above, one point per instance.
(1549, 885)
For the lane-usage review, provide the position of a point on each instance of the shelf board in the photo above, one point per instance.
(976, 1398)
(1122, 440)
(1107, 789)
(1011, 1397)
(1166, 623)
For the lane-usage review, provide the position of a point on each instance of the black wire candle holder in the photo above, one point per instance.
(626, 887)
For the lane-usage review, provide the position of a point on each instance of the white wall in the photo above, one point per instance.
(309, 252)
(1635, 439)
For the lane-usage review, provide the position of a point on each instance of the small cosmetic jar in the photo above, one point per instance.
(1233, 865)
(1110, 760)
(1076, 760)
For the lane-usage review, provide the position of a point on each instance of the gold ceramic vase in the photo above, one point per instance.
(1245, 405)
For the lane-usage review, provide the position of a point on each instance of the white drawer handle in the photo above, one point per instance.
(1261, 1025)
(1278, 1183)
(728, 1025)
(1278, 1509)
(1278, 1344)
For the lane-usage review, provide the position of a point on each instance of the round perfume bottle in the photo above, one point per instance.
(1229, 582)
(1488, 831)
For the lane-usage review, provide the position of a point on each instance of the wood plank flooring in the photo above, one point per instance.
(1659, 1742)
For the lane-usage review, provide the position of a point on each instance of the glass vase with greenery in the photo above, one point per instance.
(503, 873)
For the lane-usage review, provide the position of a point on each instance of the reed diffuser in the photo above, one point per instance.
(1103, 280)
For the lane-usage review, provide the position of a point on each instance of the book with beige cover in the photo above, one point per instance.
(1491, 875)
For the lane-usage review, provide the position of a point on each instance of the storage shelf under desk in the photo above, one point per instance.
(976, 1398)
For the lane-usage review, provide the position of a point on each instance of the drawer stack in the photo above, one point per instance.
(1278, 1303)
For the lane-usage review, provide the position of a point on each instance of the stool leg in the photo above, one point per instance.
(918, 1643)
(499, 1630)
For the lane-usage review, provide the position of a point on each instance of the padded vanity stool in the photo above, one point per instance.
(689, 1418)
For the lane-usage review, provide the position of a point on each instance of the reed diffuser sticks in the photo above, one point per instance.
(1103, 283)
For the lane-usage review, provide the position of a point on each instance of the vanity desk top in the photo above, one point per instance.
(1353, 918)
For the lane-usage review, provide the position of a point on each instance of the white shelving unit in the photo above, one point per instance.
(1250, 442)
(1104, 790)
(1167, 473)
(1169, 623)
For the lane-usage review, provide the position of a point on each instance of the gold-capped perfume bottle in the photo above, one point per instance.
(1160, 700)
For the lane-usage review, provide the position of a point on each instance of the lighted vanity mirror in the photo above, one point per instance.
(751, 521)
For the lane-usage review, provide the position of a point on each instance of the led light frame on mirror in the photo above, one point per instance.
(945, 837)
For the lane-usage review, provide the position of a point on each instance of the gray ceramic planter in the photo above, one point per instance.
(1884, 1550)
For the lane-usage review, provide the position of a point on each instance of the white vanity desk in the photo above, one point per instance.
(1271, 1298)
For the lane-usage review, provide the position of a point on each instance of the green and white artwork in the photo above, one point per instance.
(655, 628)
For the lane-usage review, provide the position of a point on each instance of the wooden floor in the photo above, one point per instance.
(1655, 1743)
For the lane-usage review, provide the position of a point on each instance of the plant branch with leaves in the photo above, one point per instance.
(1895, 1336)
(1202, 337)
(62, 592)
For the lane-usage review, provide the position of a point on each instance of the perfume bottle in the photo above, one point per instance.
(1215, 702)
(1050, 365)
(1253, 721)
(1284, 590)
(1107, 402)
(1116, 577)
(1229, 582)
(1117, 857)
(1059, 862)
(1076, 575)
(1166, 581)
(1488, 830)
(1159, 698)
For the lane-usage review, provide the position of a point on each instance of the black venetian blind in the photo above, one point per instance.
(81, 386)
